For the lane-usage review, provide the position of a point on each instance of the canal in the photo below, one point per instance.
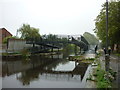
(41, 71)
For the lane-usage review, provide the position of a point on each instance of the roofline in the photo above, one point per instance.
(6, 30)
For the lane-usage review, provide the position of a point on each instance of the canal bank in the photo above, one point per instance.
(91, 69)
(99, 78)
(16, 56)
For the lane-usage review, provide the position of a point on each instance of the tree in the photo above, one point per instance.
(52, 37)
(113, 23)
(91, 38)
(28, 32)
(5, 40)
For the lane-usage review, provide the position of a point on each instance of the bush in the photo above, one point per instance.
(102, 82)
(5, 40)
(92, 59)
(25, 53)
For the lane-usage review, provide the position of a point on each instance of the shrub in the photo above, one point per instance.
(25, 53)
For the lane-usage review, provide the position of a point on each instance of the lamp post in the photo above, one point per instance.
(107, 55)
(107, 26)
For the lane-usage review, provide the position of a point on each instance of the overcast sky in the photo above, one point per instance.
(50, 16)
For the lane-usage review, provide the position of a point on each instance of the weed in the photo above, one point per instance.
(90, 59)
(25, 53)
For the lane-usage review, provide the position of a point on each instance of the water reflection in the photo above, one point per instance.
(43, 70)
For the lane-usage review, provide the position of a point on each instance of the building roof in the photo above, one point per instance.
(6, 30)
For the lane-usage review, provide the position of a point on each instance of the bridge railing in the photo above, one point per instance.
(56, 43)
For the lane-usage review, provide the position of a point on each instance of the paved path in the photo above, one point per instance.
(115, 65)
(90, 70)
(89, 54)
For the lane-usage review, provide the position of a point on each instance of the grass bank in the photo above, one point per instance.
(81, 58)
(104, 79)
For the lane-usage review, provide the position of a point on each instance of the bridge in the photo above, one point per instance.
(45, 45)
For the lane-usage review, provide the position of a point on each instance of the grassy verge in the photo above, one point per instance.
(81, 59)
(102, 82)
(5, 54)
(117, 54)
(88, 60)
(99, 77)
(104, 79)
(25, 53)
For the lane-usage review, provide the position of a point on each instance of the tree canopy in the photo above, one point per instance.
(28, 32)
(113, 23)
(53, 37)
(92, 40)
(5, 40)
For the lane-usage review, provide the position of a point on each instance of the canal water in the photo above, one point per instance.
(53, 71)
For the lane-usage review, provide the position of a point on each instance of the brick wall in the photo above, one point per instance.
(3, 34)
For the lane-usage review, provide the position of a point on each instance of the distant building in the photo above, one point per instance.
(3, 34)
(16, 45)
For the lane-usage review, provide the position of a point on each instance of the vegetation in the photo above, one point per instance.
(69, 48)
(29, 33)
(90, 78)
(91, 38)
(113, 24)
(102, 82)
(117, 54)
(50, 37)
(6, 54)
(90, 59)
(25, 53)
(100, 78)
(104, 79)
(77, 57)
(82, 59)
(53, 37)
(9, 37)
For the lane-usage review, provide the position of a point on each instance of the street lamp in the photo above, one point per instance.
(107, 26)
(107, 55)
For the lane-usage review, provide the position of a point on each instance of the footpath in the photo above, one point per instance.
(90, 70)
